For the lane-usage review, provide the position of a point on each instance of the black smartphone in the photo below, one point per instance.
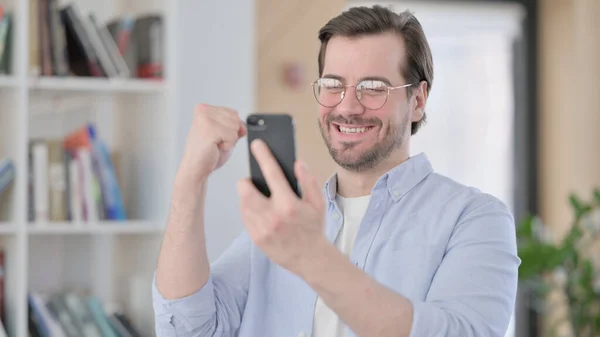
(277, 131)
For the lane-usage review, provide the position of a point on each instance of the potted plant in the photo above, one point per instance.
(565, 266)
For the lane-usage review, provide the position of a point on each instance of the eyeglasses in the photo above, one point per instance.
(372, 94)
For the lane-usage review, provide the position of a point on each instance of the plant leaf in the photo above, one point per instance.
(578, 206)
(597, 195)
(539, 258)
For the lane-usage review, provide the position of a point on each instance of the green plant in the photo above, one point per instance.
(566, 265)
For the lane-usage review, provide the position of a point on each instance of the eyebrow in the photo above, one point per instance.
(367, 78)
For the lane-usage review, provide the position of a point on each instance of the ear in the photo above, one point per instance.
(419, 101)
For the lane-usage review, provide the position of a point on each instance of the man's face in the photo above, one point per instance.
(359, 138)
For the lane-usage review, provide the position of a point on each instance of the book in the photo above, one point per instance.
(74, 179)
(7, 173)
(85, 139)
(2, 293)
(75, 314)
(66, 41)
(6, 41)
(39, 153)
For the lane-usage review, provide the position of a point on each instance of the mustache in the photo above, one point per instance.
(356, 120)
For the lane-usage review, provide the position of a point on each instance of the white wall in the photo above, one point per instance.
(215, 65)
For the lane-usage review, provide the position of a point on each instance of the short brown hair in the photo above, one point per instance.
(358, 21)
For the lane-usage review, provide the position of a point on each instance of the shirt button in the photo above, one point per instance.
(301, 334)
(335, 216)
(396, 193)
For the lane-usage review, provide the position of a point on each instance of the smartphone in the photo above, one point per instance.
(278, 132)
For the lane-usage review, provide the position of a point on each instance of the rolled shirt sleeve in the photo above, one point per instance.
(216, 309)
(473, 292)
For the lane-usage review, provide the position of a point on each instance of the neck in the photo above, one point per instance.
(352, 184)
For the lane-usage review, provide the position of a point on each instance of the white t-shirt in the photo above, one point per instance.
(326, 322)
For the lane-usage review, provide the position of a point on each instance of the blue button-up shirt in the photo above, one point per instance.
(450, 249)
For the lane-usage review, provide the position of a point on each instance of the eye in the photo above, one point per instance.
(330, 85)
(372, 87)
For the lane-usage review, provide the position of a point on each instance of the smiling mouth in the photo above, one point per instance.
(352, 130)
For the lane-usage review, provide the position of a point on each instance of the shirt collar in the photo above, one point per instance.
(398, 181)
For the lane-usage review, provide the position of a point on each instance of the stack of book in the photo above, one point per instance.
(70, 314)
(73, 179)
(66, 42)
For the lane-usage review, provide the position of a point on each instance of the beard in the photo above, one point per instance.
(369, 158)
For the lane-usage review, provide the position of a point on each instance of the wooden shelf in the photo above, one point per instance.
(102, 227)
(91, 84)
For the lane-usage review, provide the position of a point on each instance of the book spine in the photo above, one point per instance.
(40, 177)
(82, 38)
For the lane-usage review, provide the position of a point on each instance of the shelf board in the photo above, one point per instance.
(7, 228)
(91, 84)
(102, 227)
(8, 82)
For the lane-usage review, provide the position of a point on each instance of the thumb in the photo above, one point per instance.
(242, 131)
(311, 192)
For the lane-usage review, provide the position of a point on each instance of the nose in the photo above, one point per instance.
(350, 105)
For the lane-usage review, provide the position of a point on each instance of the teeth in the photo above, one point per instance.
(353, 130)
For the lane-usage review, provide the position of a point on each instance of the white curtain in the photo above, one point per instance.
(469, 133)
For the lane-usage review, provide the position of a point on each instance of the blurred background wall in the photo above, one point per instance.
(569, 99)
(287, 47)
(568, 127)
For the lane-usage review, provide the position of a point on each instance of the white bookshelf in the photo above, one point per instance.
(8, 82)
(102, 227)
(97, 85)
(113, 260)
(8, 228)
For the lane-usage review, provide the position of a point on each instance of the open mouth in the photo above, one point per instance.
(363, 129)
(352, 129)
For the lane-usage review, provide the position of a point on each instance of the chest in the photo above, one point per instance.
(401, 251)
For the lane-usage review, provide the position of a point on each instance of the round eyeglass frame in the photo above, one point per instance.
(346, 86)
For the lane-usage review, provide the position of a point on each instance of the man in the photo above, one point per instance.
(389, 248)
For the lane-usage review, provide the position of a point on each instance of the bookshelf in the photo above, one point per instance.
(7, 228)
(113, 260)
(96, 85)
(8, 82)
(101, 227)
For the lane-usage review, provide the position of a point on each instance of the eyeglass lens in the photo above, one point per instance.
(329, 92)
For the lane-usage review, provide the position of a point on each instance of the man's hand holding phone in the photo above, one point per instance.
(288, 229)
